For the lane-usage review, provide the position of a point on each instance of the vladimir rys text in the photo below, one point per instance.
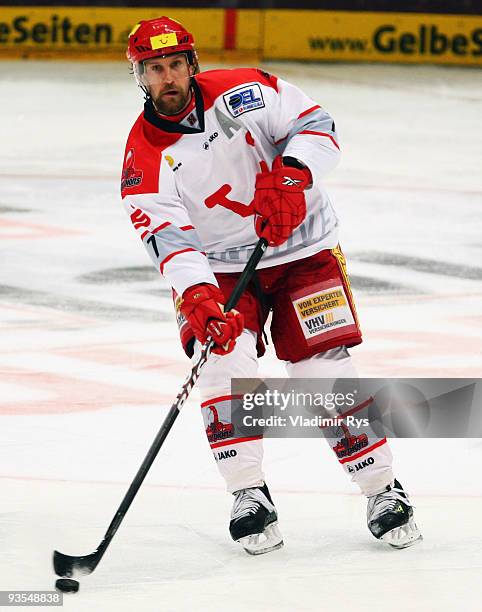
(300, 421)
(271, 410)
(339, 402)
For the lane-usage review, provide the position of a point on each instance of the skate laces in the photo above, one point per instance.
(386, 501)
(248, 501)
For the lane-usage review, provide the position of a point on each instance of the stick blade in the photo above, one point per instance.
(67, 565)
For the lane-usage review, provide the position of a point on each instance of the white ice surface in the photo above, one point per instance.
(89, 357)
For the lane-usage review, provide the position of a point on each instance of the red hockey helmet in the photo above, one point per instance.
(160, 37)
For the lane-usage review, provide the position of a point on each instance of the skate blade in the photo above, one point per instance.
(261, 543)
(404, 536)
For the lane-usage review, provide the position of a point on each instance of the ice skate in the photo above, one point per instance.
(390, 517)
(254, 521)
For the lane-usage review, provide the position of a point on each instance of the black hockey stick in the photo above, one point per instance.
(66, 565)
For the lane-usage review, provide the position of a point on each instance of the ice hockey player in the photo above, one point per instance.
(216, 160)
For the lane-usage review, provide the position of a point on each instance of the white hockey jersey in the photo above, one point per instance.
(188, 186)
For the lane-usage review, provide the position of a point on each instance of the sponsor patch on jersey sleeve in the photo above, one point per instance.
(140, 171)
(131, 176)
(244, 99)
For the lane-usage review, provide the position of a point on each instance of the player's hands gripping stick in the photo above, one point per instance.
(202, 306)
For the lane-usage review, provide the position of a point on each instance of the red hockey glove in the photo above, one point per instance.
(202, 305)
(279, 202)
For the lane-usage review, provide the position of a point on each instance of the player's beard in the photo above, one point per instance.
(172, 100)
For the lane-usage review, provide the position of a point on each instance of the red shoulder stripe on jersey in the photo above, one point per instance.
(184, 228)
(171, 255)
(310, 110)
(363, 452)
(270, 79)
(143, 157)
(160, 227)
(214, 83)
(321, 134)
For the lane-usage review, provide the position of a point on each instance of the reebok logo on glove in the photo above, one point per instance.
(290, 181)
(279, 202)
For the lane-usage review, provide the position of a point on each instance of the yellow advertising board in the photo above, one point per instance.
(100, 31)
(375, 37)
(249, 30)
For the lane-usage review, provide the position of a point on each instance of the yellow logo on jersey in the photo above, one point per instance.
(164, 40)
(169, 160)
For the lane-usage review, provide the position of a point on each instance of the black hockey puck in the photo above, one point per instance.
(67, 585)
